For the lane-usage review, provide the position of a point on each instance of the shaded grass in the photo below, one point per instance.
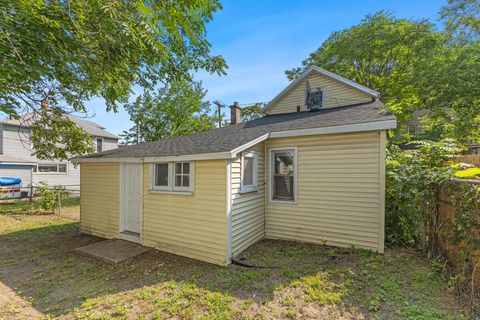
(24, 206)
(310, 282)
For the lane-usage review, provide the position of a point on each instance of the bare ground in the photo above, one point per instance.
(41, 276)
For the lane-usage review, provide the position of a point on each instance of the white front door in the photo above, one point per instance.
(131, 201)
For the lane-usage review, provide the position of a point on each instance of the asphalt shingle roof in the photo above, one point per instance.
(231, 137)
(86, 125)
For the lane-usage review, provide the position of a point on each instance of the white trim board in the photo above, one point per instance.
(373, 93)
(249, 144)
(18, 163)
(295, 175)
(369, 126)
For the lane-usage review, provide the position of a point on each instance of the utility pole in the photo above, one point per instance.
(219, 105)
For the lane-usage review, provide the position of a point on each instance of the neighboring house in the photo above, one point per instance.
(18, 161)
(314, 177)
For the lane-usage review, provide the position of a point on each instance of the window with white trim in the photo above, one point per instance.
(50, 168)
(283, 175)
(173, 176)
(249, 170)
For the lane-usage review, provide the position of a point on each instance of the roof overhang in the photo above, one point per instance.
(359, 127)
(312, 69)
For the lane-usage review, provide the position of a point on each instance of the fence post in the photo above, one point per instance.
(59, 204)
(31, 193)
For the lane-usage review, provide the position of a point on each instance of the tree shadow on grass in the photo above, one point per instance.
(41, 266)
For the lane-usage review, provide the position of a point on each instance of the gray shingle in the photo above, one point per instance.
(231, 137)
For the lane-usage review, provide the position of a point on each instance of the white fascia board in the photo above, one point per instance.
(329, 74)
(369, 126)
(248, 145)
(189, 157)
(19, 163)
(104, 160)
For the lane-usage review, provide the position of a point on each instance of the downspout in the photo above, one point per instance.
(229, 213)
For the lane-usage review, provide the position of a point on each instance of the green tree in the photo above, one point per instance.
(449, 84)
(174, 109)
(71, 51)
(252, 112)
(462, 19)
(381, 53)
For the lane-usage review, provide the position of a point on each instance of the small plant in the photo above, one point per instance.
(50, 197)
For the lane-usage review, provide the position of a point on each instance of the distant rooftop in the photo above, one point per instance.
(88, 126)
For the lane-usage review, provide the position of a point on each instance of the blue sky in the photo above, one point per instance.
(261, 39)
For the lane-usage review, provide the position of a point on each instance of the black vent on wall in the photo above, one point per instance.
(313, 98)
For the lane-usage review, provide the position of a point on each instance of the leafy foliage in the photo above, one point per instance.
(462, 18)
(62, 140)
(416, 180)
(411, 178)
(382, 53)
(175, 109)
(50, 197)
(71, 51)
(414, 67)
(252, 112)
(450, 87)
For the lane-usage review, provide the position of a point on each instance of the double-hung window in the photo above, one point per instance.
(283, 175)
(249, 171)
(173, 176)
(50, 168)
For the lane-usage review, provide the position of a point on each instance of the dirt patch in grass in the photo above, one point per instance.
(39, 267)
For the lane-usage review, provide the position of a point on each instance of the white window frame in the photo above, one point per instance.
(51, 164)
(295, 176)
(171, 188)
(96, 144)
(252, 187)
(190, 177)
(168, 187)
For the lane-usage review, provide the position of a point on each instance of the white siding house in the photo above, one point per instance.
(17, 159)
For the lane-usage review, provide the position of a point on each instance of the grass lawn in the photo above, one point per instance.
(41, 276)
(24, 206)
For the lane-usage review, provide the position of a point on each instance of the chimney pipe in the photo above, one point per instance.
(235, 113)
(44, 104)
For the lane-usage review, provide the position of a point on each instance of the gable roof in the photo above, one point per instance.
(88, 126)
(227, 141)
(313, 69)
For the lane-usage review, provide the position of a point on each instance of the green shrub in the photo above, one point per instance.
(48, 197)
(411, 186)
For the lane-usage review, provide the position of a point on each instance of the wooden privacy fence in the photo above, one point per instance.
(468, 158)
(443, 234)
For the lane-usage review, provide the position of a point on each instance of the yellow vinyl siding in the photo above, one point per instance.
(100, 199)
(335, 93)
(339, 191)
(248, 209)
(189, 225)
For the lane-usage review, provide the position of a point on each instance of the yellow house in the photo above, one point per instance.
(311, 170)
